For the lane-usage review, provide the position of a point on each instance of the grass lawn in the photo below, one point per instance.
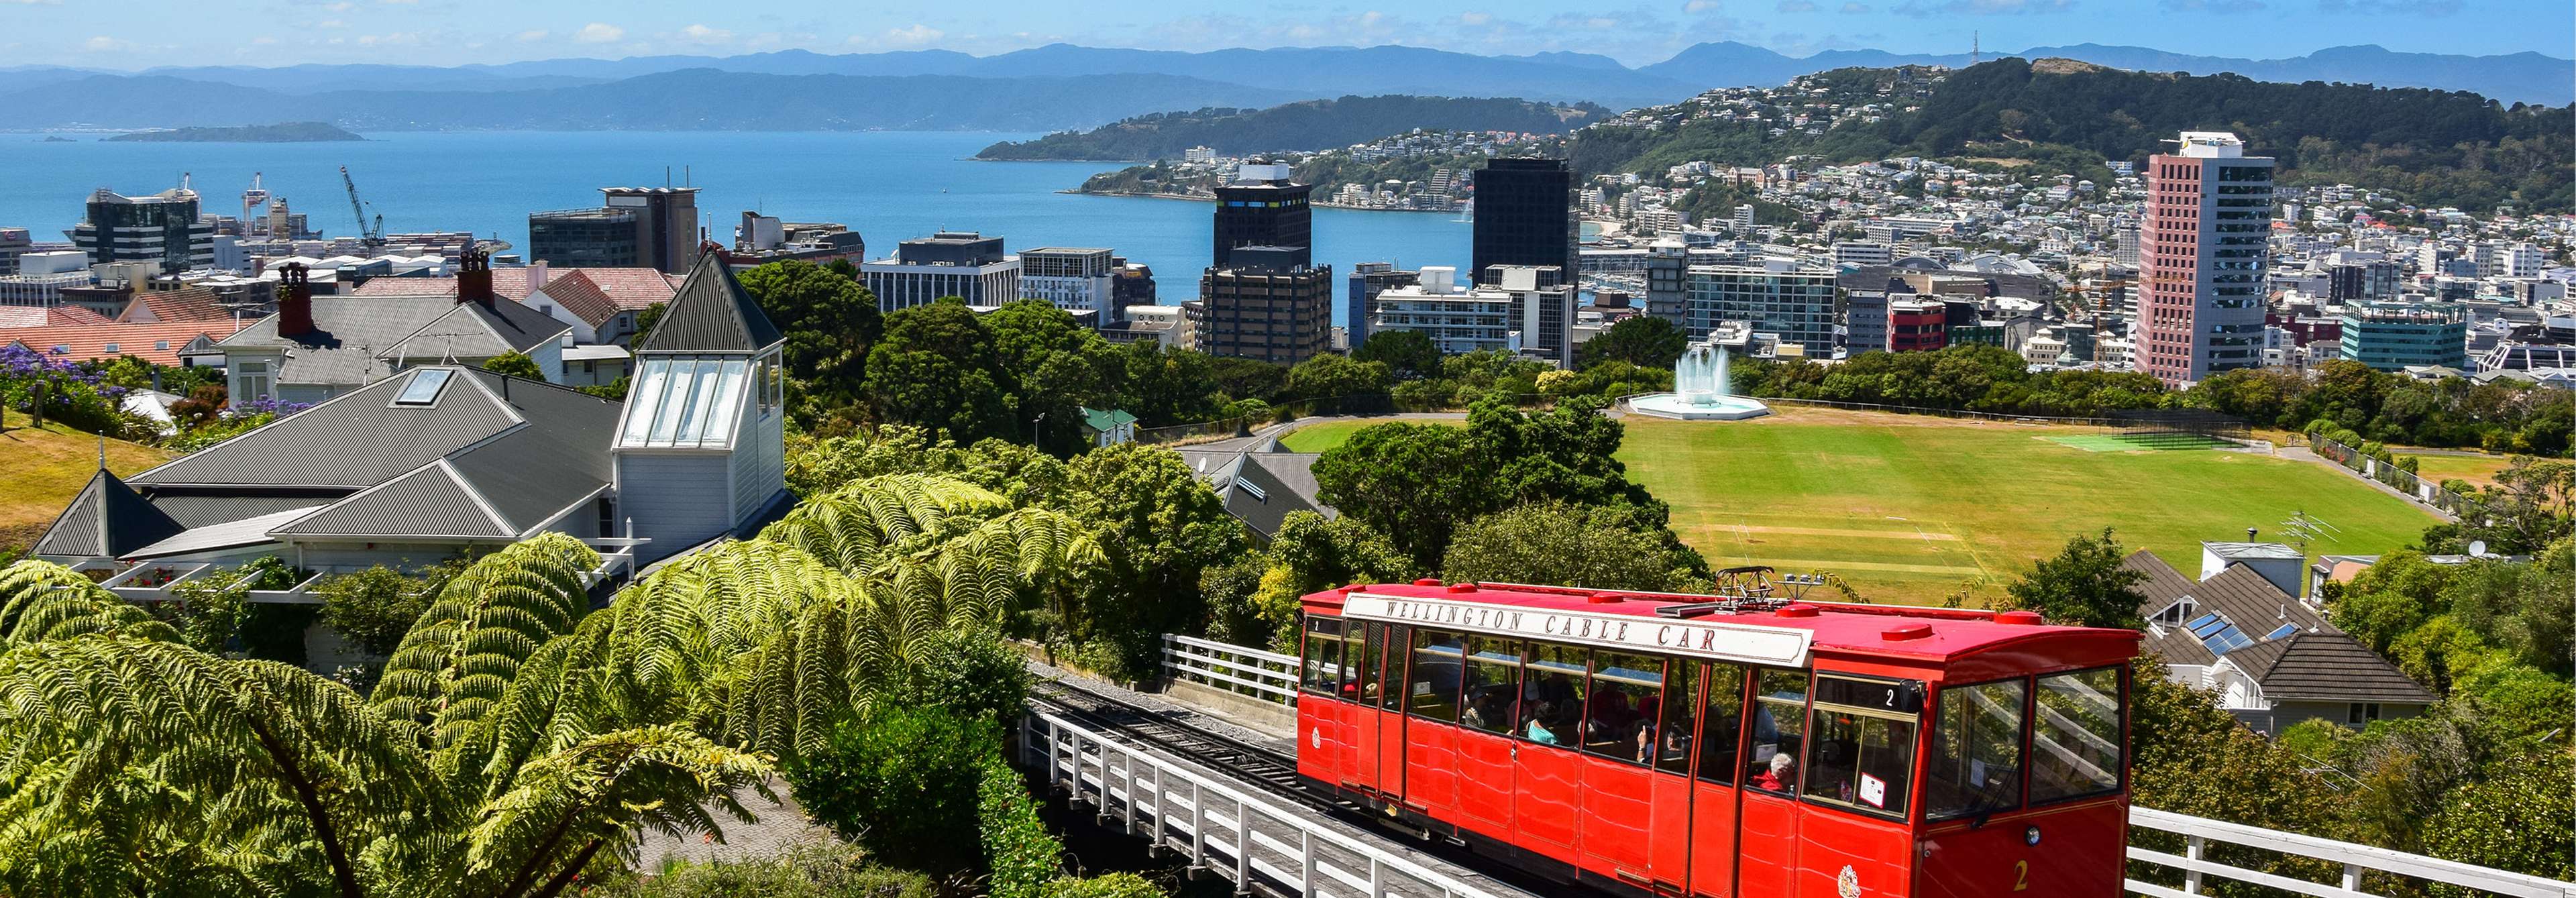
(1909, 508)
(40, 471)
(2476, 469)
(1328, 434)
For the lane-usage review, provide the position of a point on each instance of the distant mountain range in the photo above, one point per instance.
(1058, 86)
(1305, 125)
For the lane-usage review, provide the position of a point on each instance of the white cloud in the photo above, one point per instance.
(1797, 6)
(1700, 6)
(108, 44)
(264, 40)
(341, 7)
(916, 35)
(599, 33)
(331, 23)
(1857, 9)
(33, 3)
(532, 35)
(705, 35)
(1981, 7)
(1479, 18)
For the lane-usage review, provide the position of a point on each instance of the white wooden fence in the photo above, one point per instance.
(1273, 676)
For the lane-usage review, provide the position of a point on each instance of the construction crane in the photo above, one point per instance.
(375, 235)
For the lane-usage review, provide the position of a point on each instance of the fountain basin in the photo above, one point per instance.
(1698, 407)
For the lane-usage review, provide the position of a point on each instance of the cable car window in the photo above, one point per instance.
(1323, 655)
(2075, 735)
(1779, 722)
(1552, 694)
(1490, 683)
(1431, 688)
(1976, 751)
(1359, 662)
(1627, 705)
(1721, 718)
(1681, 717)
(1860, 759)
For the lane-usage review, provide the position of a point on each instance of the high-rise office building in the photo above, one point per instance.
(162, 229)
(1368, 279)
(666, 224)
(963, 264)
(1668, 281)
(2209, 216)
(14, 242)
(1072, 278)
(1267, 304)
(2394, 337)
(1798, 306)
(1522, 308)
(1263, 207)
(584, 238)
(1524, 216)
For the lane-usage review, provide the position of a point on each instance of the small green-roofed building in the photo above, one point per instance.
(1108, 427)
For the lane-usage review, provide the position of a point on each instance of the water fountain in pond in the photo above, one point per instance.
(1700, 391)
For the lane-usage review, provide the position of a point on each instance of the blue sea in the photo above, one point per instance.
(888, 185)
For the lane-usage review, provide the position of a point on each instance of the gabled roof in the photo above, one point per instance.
(711, 313)
(508, 283)
(355, 440)
(157, 343)
(2326, 667)
(1104, 420)
(185, 304)
(354, 335)
(473, 331)
(105, 520)
(38, 316)
(2239, 595)
(578, 295)
(1267, 486)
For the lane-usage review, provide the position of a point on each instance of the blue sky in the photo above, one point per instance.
(135, 33)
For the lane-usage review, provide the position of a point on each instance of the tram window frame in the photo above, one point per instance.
(1905, 733)
(1317, 673)
(2119, 739)
(1417, 688)
(1759, 707)
(1577, 666)
(1954, 696)
(1678, 739)
(1621, 745)
(1393, 650)
(1360, 674)
(1718, 753)
(1485, 652)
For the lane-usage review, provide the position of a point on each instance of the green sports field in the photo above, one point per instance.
(1323, 435)
(1907, 508)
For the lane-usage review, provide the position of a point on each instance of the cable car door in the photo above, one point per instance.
(1390, 712)
(1767, 809)
(1717, 772)
(1366, 690)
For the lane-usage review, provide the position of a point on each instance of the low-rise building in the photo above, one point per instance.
(2272, 660)
(1074, 279)
(318, 347)
(963, 264)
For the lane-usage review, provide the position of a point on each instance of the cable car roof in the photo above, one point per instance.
(1776, 633)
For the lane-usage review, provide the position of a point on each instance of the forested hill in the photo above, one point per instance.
(1309, 125)
(2435, 148)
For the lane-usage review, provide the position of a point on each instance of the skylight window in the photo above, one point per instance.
(2283, 630)
(424, 387)
(684, 403)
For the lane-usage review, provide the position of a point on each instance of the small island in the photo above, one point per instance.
(288, 132)
(57, 138)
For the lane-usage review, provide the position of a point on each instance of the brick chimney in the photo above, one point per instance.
(294, 301)
(474, 278)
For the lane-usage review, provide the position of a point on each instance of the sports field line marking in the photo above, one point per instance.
(1829, 531)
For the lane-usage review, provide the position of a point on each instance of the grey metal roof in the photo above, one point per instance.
(1282, 482)
(356, 322)
(430, 501)
(333, 366)
(711, 313)
(471, 330)
(250, 531)
(353, 334)
(2242, 550)
(356, 439)
(194, 508)
(2326, 667)
(105, 520)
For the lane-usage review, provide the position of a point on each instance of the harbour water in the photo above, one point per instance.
(887, 185)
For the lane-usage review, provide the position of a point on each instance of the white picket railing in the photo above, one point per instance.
(2197, 869)
(1273, 676)
(1268, 676)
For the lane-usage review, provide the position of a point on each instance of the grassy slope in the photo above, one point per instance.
(1328, 434)
(2476, 469)
(1908, 508)
(40, 470)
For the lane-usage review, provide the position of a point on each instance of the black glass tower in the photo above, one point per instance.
(1262, 207)
(1524, 216)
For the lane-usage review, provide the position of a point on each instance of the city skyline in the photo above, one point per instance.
(139, 33)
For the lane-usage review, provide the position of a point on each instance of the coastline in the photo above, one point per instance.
(1209, 199)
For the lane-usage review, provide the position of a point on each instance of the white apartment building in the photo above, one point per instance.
(963, 264)
(1798, 306)
(1862, 252)
(1070, 278)
(1529, 311)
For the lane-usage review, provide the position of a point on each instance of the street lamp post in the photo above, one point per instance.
(1034, 430)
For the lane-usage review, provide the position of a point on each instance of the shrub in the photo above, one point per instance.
(1022, 855)
(819, 869)
(904, 784)
(375, 607)
(1112, 885)
(971, 675)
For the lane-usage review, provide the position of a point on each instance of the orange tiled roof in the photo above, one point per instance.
(192, 304)
(12, 317)
(511, 283)
(158, 343)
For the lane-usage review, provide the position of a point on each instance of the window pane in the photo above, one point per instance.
(2075, 737)
(1721, 719)
(1431, 688)
(1323, 655)
(1492, 682)
(1976, 752)
(1862, 761)
(1354, 657)
(1552, 694)
(643, 399)
(1626, 705)
(1681, 717)
(1372, 653)
(1779, 722)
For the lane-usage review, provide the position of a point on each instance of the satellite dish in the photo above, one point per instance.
(2477, 548)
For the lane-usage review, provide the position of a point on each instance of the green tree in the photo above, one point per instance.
(1157, 528)
(1242, 378)
(2084, 585)
(1410, 354)
(828, 319)
(515, 364)
(650, 316)
(1163, 386)
(936, 368)
(903, 783)
(1416, 483)
(1641, 340)
(1558, 544)
(375, 607)
(1056, 367)
(1336, 377)
(2522, 819)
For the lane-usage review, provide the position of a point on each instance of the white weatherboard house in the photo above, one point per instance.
(316, 348)
(435, 459)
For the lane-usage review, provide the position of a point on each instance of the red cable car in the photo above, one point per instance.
(1657, 744)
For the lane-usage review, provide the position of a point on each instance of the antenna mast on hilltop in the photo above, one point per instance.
(1976, 50)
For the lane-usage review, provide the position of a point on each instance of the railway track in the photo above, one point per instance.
(1271, 770)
